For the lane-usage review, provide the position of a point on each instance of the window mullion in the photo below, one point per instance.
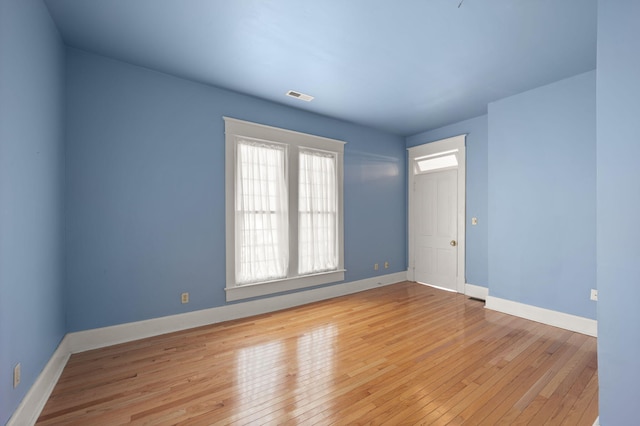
(293, 166)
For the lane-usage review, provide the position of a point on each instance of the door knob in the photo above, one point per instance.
(453, 243)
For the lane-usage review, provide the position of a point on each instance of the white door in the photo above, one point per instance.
(436, 231)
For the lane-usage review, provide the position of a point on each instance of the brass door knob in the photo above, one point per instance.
(453, 243)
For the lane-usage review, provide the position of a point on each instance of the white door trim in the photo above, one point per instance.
(443, 145)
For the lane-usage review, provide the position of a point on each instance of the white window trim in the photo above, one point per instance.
(298, 140)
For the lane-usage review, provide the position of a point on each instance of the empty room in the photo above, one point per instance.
(319, 212)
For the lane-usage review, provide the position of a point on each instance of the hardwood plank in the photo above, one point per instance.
(400, 354)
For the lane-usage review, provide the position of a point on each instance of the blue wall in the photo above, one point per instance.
(145, 191)
(618, 90)
(477, 142)
(542, 199)
(31, 164)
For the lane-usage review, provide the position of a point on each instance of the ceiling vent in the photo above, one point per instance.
(299, 95)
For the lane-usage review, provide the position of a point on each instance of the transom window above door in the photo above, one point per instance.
(439, 161)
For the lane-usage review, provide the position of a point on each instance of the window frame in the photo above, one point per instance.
(295, 141)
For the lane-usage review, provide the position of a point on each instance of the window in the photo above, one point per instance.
(283, 210)
(317, 213)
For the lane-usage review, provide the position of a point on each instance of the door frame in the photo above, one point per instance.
(455, 144)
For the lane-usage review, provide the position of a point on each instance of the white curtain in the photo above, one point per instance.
(317, 213)
(262, 222)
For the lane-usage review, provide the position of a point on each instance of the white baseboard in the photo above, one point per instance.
(476, 291)
(546, 316)
(33, 402)
(597, 422)
(100, 337)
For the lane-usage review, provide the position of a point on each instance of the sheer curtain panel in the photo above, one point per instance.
(262, 234)
(317, 213)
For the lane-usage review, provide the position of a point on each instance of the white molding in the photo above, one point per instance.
(34, 401)
(597, 422)
(546, 316)
(101, 337)
(278, 286)
(440, 145)
(476, 291)
(272, 133)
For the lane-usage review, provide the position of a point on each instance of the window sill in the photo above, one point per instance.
(270, 287)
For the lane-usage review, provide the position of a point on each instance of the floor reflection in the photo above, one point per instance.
(258, 375)
(302, 365)
(315, 359)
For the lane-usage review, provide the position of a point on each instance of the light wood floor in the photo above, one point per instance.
(402, 354)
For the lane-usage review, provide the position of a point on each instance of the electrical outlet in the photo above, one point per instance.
(594, 294)
(185, 298)
(386, 265)
(375, 266)
(474, 220)
(16, 375)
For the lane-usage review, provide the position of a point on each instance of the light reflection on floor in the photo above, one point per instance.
(260, 375)
(257, 374)
(315, 362)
